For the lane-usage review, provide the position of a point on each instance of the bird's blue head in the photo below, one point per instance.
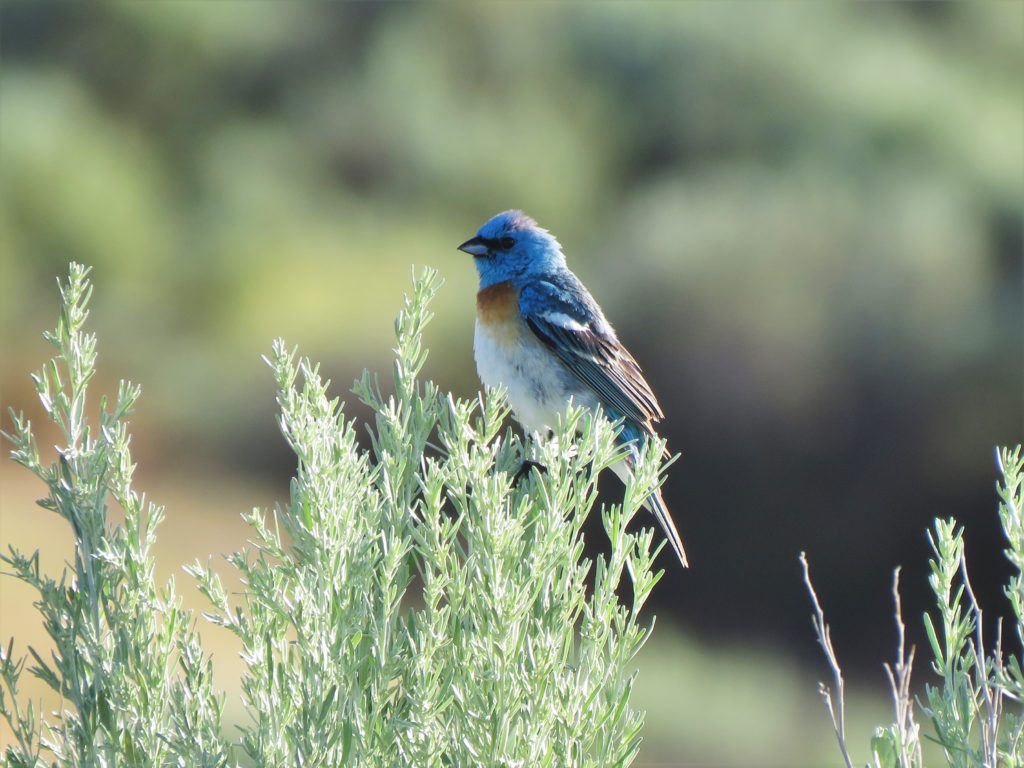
(511, 245)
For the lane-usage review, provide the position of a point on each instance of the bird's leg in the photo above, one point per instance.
(528, 464)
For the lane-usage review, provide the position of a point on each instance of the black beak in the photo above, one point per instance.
(475, 246)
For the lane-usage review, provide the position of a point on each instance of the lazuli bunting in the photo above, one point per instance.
(541, 335)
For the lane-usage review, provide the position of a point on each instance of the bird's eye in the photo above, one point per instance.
(505, 243)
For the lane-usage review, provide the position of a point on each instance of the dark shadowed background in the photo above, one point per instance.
(804, 220)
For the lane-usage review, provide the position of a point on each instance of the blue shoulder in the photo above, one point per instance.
(537, 296)
(560, 294)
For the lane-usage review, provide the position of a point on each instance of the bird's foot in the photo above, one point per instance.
(526, 466)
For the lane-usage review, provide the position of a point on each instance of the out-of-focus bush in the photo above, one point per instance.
(804, 220)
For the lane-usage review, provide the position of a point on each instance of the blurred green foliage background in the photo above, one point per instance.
(804, 219)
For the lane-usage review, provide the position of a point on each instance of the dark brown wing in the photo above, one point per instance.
(602, 363)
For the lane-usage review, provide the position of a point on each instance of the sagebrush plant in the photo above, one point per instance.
(975, 707)
(134, 685)
(423, 602)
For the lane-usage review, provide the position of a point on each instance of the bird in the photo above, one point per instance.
(542, 336)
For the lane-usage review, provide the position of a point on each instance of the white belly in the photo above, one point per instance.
(538, 386)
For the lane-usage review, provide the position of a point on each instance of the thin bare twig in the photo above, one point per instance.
(899, 682)
(993, 699)
(835, 706)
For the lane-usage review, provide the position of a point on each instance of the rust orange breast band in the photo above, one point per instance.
(498, 304)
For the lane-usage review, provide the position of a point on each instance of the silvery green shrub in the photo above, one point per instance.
(423, 601)
(972, 703)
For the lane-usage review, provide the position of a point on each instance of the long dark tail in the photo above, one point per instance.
(656, 504)
(633, 435)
